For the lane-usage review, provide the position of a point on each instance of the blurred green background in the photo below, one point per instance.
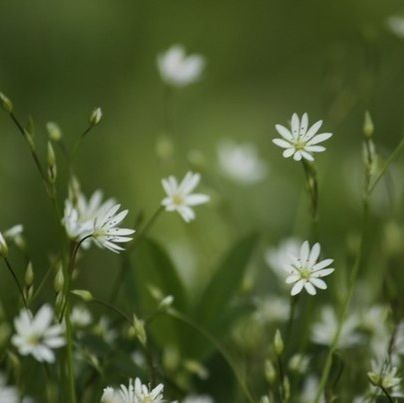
(265, 60)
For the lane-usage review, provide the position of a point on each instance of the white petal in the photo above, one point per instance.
(292, 278)
(322, 264)
(313, 130)
(304, 123)
(287, 153)
(281, 143)
(322, 273)
(319, 138)
(307, 156)
(304, 252)
(310, 288)
(196, 199)
(318, 283)
(284, 132)
(314, 254)
(297, 287)
(295, 124)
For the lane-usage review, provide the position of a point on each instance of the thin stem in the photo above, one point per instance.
(312, 189)
(352, 281)
(182, 318)
(389, 160)
(387, 394)
(17, 282)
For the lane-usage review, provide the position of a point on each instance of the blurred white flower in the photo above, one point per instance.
(240, 162)
(385, 376)
(373, 318)
(180, 197)
(14, 233)
(177, 69)
(198, 399)
(305, 272)
(309, 391)
(8, 394)
(36, 336)
(80, 316)
(324, 331)
(299, 363)
(3, 246)
(301, 141)
(272, 309)
(97, 221)
(103, 329)
(280, 258)
(396, 25)
(135, 392)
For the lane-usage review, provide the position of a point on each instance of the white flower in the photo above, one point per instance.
(14, 232)
(240, 162)
(273, 309)
(97, 221)
(324, 331)
(105, 232)
(198, 399)
(309, 391)
(8, 394)
(301, 141)
(305, 271)
(180, 197)
(373, 318)
(135, 392)
(396, 25)
(36, 336)
(104, 329)
(80, 316)
(177, 69)
(280, 258)
(385, 376)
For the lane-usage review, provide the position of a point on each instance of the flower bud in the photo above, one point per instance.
(6, 104)
(95, 117)
(166, 302)
(54, 131)
(52, 171)
(59, 281)
(171, 359)
(286, 389)
(368, 127)
(270, 373)
(139, 330)
(83, 294)
(29, 275)
(195, 367)
(164, 148)
(278, 343)
(3, 246)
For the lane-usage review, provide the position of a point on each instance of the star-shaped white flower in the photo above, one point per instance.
(36, 336)
(305, 272)
(180, 197)
(300, 141)
(177, 69)
(105, 232)
(135, 392)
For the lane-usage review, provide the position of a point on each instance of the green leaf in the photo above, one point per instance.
(226, 281)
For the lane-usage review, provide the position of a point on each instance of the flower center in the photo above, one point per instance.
(34, 339)
(300, 144)
(178, 199)
(305, 273)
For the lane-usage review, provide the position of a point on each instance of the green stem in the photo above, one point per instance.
(389, 160)
(17, 282)
(344, 311)
(182, 318)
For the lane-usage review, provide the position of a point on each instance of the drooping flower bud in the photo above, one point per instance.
(95, 117)
(6, 104)
(54, 131)
(3, 246)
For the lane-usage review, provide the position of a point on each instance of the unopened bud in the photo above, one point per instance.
(83, 294)
(368, 127)
(139, 329)
(52, 170)
(166, 302)
(278, 343)
(164, 148)
(286, 389)
(54, 131)
(30, 139)
(95, 117)
(59, 281)
(6, 104)
(29, 275)
(3, 246)
(270, 373)
(195, 367)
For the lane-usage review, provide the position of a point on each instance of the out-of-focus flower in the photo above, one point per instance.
(96, 220)
(324, 331)
(385, 376)
(198, 399)
(240, 162)
(36, 336)
(80, 316)
(8, 394)
(3, 246)
(309, 391)
(301, 141)
(299, 363)
(373, 319)
(396, 25)
(281, 257)
(135, 392)
(180, 197)
(272, 309)
(103, 329)
(177, 69)
(305, 272)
